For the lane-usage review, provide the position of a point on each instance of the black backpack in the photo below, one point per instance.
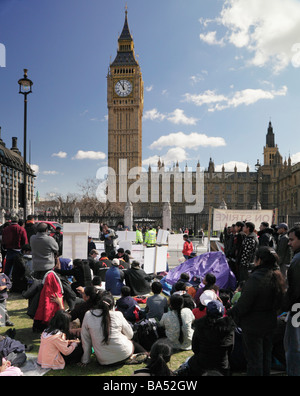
(146, 332)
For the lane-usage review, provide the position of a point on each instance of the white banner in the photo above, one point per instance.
(229, 217)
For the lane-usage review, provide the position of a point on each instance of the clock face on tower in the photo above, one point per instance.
(123, 88)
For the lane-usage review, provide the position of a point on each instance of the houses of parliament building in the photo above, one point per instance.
(274, 185)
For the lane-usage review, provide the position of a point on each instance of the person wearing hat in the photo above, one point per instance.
(114, 278)
(212, 341)
(284, 251)
(206, 297)
(13, 238)
(137, 279)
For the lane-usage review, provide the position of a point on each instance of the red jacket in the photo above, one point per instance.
(187, 248)
(46, 308)
(14, 236)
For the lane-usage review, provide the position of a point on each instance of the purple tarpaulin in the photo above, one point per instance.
(213, 262)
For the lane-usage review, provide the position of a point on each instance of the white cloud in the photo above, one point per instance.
(245, 97)
(295, 158)
(267, 29)
(211, 39)
(198, 77)
(174, 154)
(92, 155)
(176, 117)
(192, 140)
(35, 168)
(153, 115)
(229, 166)
(149, 89)
(49, 172)
(60, 154)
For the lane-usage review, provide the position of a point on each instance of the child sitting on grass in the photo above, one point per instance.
(7, 370)
(56, 350)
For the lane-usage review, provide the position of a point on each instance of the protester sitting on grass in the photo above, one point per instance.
(160, 355)
(183, 281)
(80, 271)
(89, 295)
(108, 333)
(128, 305)
(178, 324)
(7, 370)
(138, 280)
(56, 348)
(157, 304)
(212, 342)
(97, 282)
(206, 297)
(209, 282)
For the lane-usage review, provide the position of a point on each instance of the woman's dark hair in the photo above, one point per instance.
(176, 304)
(267, 255)
(185, 276)
(210, 280)
(269, 259)
(160, 355)
(105, 302)
(93, 294)
(59, 322)
(77, 263)
(180, 286)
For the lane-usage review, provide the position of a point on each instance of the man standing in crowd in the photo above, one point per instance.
(13, 238)
(108, 236)
(30, 227)
(284, 251)
(266, 235)
(58, 236)
(291, 305)
(44, 248)
(249, 246)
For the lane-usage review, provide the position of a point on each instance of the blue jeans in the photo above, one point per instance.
(9, 261)
(292, 348)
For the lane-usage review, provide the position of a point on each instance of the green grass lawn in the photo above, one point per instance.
(17, 307)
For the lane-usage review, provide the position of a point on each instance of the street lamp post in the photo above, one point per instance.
(257, 168)
(25, 89)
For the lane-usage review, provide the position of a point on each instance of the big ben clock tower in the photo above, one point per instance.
(125, 102)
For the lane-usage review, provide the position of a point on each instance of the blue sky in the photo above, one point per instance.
(215, 73)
